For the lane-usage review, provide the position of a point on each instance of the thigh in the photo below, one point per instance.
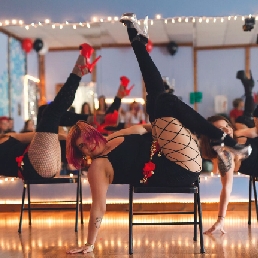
(177, 143)
(45, 154)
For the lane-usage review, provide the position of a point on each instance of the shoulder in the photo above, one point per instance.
(99, 171)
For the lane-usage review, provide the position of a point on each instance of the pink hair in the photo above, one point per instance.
(89, 135)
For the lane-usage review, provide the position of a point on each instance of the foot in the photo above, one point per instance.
(86, 51)
(80, 67)
(240, 150)
(130, 21)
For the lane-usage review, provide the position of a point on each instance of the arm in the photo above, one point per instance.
(23, 137)
(247, 132)
(227, 183)
(121, 93)
(135, 129)
(99, 181)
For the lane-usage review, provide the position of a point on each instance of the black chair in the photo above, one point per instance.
(252, 181)
(171, 190)
(54, 180)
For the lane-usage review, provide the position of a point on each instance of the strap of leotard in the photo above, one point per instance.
(101, 156)
(116, 137)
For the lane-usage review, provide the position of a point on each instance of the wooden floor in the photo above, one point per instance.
(52, 233)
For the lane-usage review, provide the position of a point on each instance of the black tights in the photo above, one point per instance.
(53, 113)
(160, 104)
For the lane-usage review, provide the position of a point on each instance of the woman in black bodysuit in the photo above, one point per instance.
(37, 155)
(163, 153)
(233, 163)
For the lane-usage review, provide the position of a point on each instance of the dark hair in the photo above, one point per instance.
(25, 127)
(105, 104)
(86, 104)
(206, 149)
(236, 102)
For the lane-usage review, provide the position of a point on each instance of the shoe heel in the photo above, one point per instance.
(92, 65)
(145, 27)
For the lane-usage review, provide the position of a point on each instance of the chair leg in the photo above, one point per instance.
(77, 204)
(22, 207)
(81, 207)
(195, 217)
(202, 249)
(130, 219)
(250, 200)
(255, 198)
(29, 210)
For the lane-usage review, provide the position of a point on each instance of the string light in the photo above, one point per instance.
(47, 22)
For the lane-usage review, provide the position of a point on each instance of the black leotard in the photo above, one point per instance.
(249, 166)
(9, 150)
(129, 157)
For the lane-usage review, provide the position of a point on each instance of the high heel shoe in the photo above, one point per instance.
(241, 150)
(130, 20)
(86, 51)
(124, 81)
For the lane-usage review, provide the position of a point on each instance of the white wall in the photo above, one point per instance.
(216, 72)
(217, 76)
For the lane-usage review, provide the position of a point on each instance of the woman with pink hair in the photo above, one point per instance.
(163, 153)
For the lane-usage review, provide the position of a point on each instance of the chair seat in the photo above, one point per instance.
(156, 189)
(53, 180)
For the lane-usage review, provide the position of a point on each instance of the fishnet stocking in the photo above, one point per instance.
(45, 154)
(177, 143)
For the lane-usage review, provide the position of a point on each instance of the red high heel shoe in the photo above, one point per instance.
(124, 81)
(86, 51)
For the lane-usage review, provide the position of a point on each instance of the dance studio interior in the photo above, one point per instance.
(205, 51)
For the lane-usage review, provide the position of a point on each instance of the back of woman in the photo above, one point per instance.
(9, 150)
(249, 166)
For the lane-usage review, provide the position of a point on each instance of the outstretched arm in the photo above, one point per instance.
(122, 92)
(247, 132)
(22, 137)
(135, 129)
(99, 181)
(227, 183)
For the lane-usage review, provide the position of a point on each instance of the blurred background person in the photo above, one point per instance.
(4, 124)
(135, 115)
(102, 105)
(86, 110)
(10, 127)
(238, 110)
(28, 126)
